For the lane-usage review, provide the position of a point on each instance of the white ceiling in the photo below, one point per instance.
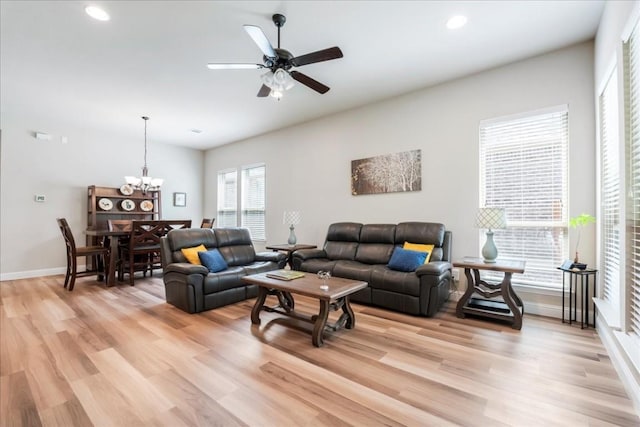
(59, 66)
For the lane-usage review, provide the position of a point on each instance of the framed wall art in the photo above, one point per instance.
(390, 173)
(180, 199)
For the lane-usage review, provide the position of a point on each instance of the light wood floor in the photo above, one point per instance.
(123, 357)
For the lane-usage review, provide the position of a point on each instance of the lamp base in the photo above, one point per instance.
(489, 250)
(292, 236)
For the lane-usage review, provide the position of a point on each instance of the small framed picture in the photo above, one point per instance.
(180, 199)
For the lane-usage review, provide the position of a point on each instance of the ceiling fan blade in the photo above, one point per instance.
(308, 81)
(318, 56)
(264, 91)
(261, 40)
(213, 66)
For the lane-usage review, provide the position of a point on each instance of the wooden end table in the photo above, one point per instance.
(510, 308)
(289, 249)
(334, 298)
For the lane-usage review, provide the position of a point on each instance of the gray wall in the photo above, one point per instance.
(30, 241)
(308, 166)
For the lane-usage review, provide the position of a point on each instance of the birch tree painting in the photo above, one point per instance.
(387, 174)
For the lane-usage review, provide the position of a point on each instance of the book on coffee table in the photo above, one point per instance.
(285, 274)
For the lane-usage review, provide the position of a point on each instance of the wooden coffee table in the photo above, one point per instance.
(334, 298)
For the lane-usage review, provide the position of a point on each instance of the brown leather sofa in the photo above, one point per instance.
(193, 288)
(362, 252)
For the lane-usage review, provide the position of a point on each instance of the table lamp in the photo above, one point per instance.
(491, 219)
(292, 218)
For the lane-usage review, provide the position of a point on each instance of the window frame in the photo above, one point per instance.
(241, 190)
(490, 129)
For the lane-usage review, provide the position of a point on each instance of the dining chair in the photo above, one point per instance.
(143, 251)
(123, 241)
(99, 254)
(207, 223)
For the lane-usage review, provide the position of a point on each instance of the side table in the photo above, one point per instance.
(510, 308)
(581, 277)
(289, 249)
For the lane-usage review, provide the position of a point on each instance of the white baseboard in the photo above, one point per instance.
(34, 273)
(624, 367)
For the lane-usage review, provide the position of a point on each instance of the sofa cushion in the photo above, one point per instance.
(406, 260)
(353, 270)
(376, 243)
(213, 260)
(400, 282)
(428, 249)
(427, 233)
(235, 246)
(228, 279)
(318, 264)
(341, 250)
(260, 267)
(185, 238)
(191, 254)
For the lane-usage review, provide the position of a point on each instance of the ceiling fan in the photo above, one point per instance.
(280, 61)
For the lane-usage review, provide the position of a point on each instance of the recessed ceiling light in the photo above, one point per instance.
(456, 22)
(96, 13)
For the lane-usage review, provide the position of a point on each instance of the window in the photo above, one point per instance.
(524, 169)
(632, 122)
(227, 199)
(610, 191)
(251, 198)
(253, 187)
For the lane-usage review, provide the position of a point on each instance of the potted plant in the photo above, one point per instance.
(579, 222)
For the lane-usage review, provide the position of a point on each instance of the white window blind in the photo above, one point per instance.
(524, 169)
(253, 197)
(610, 191)
(632, 50)
(227, 199)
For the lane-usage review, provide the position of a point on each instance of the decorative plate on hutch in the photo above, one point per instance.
(128, 205)
(105, 204)
(146, 205)
(126, 189)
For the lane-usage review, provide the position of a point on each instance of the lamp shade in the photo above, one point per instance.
(291, 217)
(491, 218)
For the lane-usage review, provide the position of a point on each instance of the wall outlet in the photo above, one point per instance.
(455, 272)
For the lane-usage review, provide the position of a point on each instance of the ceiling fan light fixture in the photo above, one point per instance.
(281, 77)
(275, 93)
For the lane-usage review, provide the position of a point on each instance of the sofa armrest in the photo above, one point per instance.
(276, 257)
(305, 254)
(435, 268)
(186, 268)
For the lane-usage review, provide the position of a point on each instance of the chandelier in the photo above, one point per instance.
(278, 81)
(144, 183)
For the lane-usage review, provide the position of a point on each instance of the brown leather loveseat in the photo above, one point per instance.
(362, 252)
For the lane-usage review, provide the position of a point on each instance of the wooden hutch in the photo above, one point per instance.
(105, 203)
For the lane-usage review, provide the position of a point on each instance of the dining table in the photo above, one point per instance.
(113, 238)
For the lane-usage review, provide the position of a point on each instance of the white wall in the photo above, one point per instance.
(30, 241)
(308, 166)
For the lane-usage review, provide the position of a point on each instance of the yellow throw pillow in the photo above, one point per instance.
(191, 254)
(420, 248)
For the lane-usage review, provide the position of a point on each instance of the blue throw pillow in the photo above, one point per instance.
(213, 260)
(406, 260)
